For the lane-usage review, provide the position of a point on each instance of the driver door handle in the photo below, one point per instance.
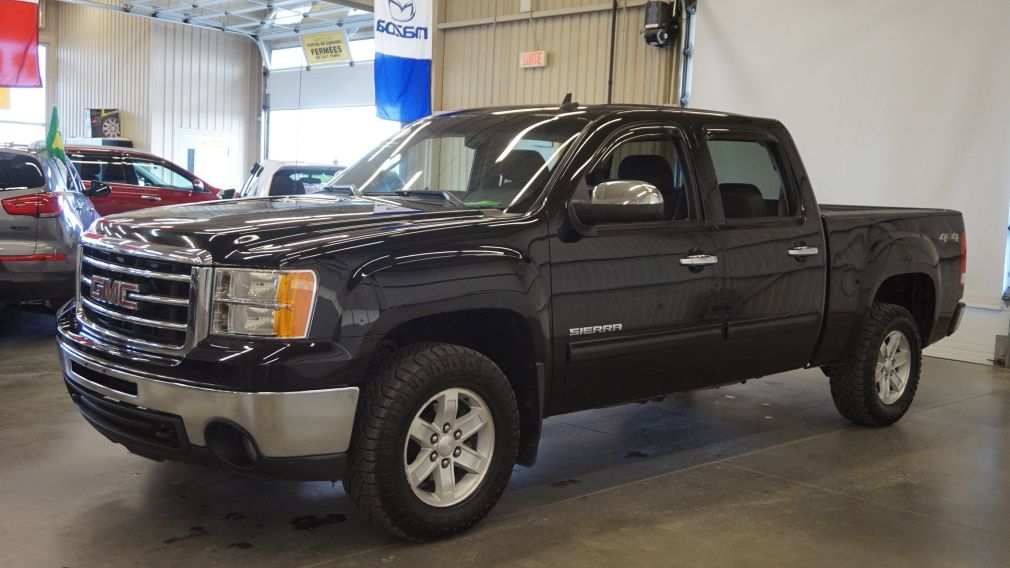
(699, 260)
(150, 198)
(803, 250)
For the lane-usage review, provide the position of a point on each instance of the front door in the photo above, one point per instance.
(772, 255)
(168, 185)
(632, 304)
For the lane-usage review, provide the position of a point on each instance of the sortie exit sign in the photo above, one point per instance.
(529, 59)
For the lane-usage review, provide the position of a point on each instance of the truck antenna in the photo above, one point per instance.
(567, 104)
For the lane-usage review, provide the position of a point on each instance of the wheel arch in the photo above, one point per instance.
(914, 291)
(513, 341)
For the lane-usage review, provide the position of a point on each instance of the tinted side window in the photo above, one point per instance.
(158, 175)
(750, 180)
(656, 160)
(101, 168)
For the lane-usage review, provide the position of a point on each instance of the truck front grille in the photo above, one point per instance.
(136, 299)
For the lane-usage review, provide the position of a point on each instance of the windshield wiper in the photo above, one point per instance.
(423, 194)
(339, 190)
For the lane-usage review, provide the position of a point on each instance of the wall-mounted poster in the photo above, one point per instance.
(105, 123)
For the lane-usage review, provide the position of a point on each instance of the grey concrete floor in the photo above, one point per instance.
(762, 474)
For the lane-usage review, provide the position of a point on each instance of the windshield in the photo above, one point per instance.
(500, 160)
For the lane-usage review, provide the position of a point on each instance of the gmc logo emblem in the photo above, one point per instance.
(113, 292)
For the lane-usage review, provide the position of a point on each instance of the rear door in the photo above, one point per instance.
(630, 318)
(21, 180)
(116, 171)
(772, 254)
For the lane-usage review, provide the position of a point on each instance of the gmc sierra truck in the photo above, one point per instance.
(407, 329)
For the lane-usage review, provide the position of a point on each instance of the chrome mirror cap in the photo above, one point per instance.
(625, 192)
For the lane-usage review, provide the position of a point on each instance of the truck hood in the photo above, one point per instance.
(279, 231)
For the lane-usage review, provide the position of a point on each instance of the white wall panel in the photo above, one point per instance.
(102, 62)
(901, 102)
(166, 79)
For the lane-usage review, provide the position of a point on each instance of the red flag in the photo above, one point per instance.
(19, 43)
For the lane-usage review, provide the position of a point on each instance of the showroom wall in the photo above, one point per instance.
(476, 59)
(176, 85)
(877, 125)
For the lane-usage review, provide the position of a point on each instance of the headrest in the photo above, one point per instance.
(519, 166)
(89, 171)
(742, 200)
(648, 168)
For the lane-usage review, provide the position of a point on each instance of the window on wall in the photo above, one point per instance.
(326, 135)
(23, 111)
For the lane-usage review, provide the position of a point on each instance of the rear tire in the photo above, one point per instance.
(418, 468)
(877, 385)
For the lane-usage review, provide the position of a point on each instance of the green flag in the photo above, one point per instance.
(54, 139)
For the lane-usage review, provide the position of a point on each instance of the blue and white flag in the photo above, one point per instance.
(403, 59)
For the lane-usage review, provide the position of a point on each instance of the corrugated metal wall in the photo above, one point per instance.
(167, 80)
(102, 62)
(478, 63)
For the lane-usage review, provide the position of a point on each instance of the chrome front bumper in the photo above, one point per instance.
(282, 424)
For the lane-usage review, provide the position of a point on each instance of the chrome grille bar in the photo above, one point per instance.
(104, 333)
(169, 301)
(136, 271)
(132, 319)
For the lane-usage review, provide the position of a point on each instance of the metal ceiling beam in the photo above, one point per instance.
(210, 14)
(366, 5)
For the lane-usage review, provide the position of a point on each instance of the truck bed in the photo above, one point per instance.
(868, 244)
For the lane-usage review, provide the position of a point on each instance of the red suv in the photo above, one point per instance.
(137, 179)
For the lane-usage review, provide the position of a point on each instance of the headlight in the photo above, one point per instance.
(264, 303)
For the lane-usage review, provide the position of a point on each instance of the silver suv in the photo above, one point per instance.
(44, 211)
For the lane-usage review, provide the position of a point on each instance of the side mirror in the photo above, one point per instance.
(621, 201)
(198, 185)
(227, 194)
(98, 189)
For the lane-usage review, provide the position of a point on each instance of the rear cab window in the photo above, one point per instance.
(293, 181)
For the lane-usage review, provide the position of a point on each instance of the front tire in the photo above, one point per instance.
(435, 441)
(878, 384)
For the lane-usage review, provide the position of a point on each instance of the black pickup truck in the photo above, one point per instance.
(407, 329)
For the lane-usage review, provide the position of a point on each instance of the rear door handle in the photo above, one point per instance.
(803, 250)
(150, 198)
(699, 260)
